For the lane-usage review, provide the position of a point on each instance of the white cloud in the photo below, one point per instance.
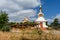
(19, 16)
(18, 9)
(28, 3)
(2, 2)
(29, 12)
(51, 20)
(58, 16)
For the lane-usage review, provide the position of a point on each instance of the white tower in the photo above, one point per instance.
(41, 20)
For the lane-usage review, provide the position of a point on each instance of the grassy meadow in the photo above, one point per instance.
(29, 34)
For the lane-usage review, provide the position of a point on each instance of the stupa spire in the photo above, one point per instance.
(41, 20)
(40, 7)
(40, 13)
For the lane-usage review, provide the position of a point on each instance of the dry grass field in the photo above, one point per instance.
(28, 34)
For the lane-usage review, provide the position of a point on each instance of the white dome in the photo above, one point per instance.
(41, 19)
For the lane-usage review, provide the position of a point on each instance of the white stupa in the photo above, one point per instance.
(41, 20)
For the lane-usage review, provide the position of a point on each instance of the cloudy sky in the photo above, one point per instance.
(18, 9)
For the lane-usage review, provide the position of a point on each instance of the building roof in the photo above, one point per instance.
(26, 19)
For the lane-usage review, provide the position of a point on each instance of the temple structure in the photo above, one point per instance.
(25, 20)
(41, 20)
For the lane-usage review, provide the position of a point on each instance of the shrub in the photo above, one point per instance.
(5, 28)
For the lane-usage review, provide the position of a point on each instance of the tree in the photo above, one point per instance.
(3, 19)
(55, 23)
(46, 23)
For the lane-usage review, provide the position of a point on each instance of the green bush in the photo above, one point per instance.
(5, 28)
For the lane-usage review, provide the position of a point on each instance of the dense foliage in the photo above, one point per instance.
(4, 21)
(23, 25)
(55, 24)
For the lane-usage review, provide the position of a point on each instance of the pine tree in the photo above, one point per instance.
(55, 22)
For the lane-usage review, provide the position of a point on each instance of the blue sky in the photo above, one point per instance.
(51, 9)
(18, 9)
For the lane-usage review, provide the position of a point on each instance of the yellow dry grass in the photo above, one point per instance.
(28, 34)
